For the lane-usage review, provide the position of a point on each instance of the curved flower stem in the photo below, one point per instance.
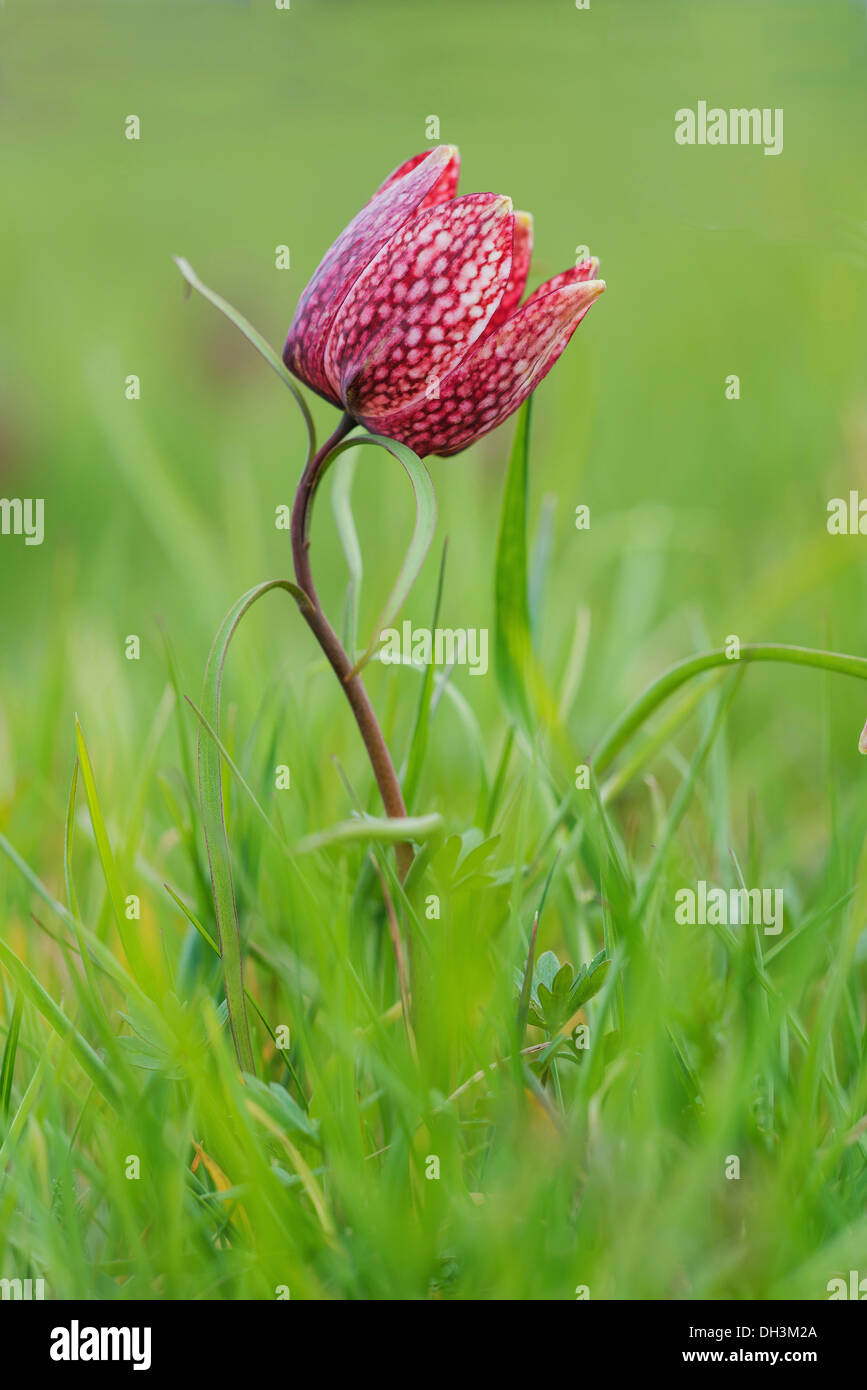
(307, 484)
(368, 725)
(675, 676)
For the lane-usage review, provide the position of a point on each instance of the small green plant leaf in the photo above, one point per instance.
(562, 982)
(546, 971)
(557, 993)
(590, 980)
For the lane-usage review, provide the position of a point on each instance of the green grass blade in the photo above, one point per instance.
(213, 814)
(672, 679)
(26, 1104)
(206, 936)
(341, 503)
(96, 948)
(67, 843)
(71, 897)
(418, 741)
(684, 796)
(444, 690)
(496, 793)
(238, 774)
(7, 1066)
(379, 828)
(512, 639)
(540, 564)
(54, 1015)
(129, 939)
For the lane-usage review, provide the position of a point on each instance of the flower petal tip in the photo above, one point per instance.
(862, 742)
(586, 291)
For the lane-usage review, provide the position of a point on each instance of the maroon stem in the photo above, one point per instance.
(368, 725)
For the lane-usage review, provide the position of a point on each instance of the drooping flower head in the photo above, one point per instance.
(412, 322)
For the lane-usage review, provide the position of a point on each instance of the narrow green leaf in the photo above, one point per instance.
(379, 828)
(253, 336)
(684, 796)
(443, 689)
(418, 742)
(540, 563)
(661, 737)
(96, 949)
(128, 936)
(67, 843)
(7, 1067)
(54, 1015)
(175, 682)
(206, 936)
(512, 641)
(672, 679)
(47, 1062)
(496, 793)
(575, 664)
(527, 984)
(341, 503)
(70, 888)
(241, 779)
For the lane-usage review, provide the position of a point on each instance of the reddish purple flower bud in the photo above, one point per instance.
(413, 323)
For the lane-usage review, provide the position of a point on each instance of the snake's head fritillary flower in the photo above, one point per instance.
(413, 324)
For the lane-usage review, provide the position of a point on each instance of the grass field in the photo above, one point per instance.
(416, 1125)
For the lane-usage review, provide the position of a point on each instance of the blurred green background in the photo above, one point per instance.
(262, 127)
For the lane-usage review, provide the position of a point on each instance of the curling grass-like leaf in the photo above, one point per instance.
(422, 535)
(672, 679)
(262, 346)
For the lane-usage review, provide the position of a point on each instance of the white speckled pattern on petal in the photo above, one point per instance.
(498, 374)
(432, 176)
(413, 323)
(419, 306)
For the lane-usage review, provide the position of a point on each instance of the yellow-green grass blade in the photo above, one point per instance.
(130, 941)
(78, 1045)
